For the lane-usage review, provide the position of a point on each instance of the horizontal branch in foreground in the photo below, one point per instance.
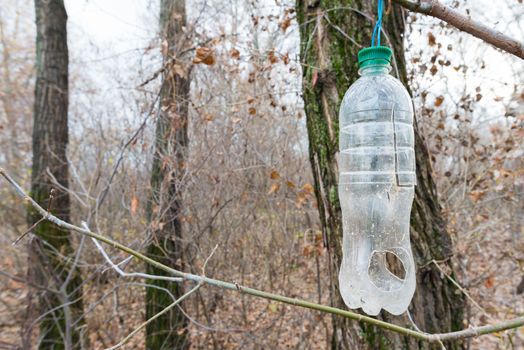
(445, 13)
(467, 333)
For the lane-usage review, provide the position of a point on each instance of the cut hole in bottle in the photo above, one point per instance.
(386, 271)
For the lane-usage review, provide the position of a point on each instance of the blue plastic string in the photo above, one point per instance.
(378, 25)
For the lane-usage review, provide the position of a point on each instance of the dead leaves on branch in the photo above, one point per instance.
(208, 117)
(431, 39)
(475, 196)
(273, 58)
(274, 175)
(284, 25)
(134, 205)
(288, 17)
(234, 53)
(274, 188)
(210, 54)
(204, 55)
(439, 100)
(302, 195)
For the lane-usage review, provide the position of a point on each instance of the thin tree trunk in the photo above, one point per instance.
(330, 31)
(168, 331)
(50, 250)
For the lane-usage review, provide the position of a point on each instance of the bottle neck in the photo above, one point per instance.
(375, 69)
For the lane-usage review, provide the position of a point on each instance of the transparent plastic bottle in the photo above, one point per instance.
(376, 187)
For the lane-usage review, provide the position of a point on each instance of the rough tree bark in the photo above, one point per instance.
(50, 251)
(169, 330)
(331, 31)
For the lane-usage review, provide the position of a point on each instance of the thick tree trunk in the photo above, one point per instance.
(50, 251)
(168, 331)
(330, 31)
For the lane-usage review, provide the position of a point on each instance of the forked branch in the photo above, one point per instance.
(438, 10)
(466, 333)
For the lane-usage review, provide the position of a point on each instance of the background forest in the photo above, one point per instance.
(190, 127)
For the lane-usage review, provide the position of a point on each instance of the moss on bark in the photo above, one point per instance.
(165, 206)
(50, 251)
(330, 65)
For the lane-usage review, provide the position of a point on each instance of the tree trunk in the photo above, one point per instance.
(168, 331)
(50, 251)
(330, 31)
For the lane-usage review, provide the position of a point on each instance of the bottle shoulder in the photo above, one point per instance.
(376, 92)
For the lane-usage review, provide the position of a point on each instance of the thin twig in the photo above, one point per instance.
(418, 329)
(445, 13)
(129, 274)
(178, 301)
(165, 310)
(33, 226)
(466, 333)
(465, 292)
(102, 195)
(29, 283)
(207, 260)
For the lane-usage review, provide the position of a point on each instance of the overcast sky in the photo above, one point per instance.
(107, 39)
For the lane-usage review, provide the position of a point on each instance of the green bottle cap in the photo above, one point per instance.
(375, 55)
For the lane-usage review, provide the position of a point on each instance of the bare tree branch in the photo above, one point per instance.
(169, 307)
(439, 337)
(438, 10)
(130, 274)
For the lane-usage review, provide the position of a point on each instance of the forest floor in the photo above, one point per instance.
(234, 321)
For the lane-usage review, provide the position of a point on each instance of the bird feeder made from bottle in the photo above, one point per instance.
(376, 188)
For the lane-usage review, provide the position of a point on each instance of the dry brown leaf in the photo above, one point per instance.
(314, 78)
(301, 199)
(252, 111)
(274, 188)
(477, 195)
(234, 53)
(204, 55)
(285, 24)
(307, 188)
(431, 39)
(307, 251)
(274, 175)
(439, 100)
(8, 262)
(506, 173)
(285, 58)
(134, 205)
(272, 57)
(251, 78)
(290, 184)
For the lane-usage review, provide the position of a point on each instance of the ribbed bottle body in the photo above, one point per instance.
(376, 190)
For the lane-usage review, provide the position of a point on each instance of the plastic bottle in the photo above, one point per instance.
(376, 187)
